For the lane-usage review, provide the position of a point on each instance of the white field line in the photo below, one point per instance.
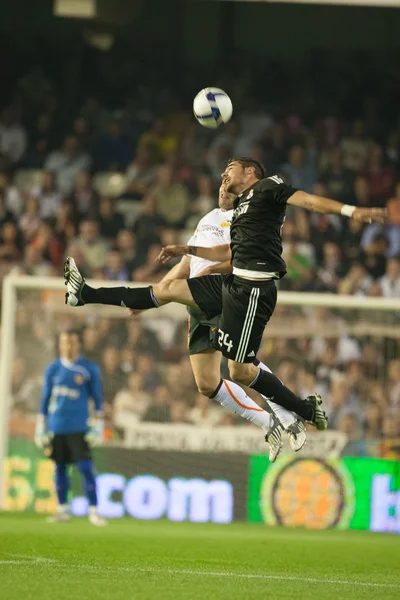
(193, 573)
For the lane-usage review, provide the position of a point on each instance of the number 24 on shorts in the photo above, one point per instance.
(223, 339)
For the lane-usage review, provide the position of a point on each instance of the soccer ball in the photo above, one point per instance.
(212, 107)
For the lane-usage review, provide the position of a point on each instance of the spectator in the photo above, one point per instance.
(297, 171)
(92, 247)
(158, 139)
(374, 255)
(91, 340)
(380, 177)
(329, 127)
(355, 148)
(390, 282)
(11, 245)
(67, 163)
(147, 227)
(114, 149)
(83, 196)
(142, 339)
(206, 199)
(355, 446)
(393, 206)
(13, 138)
(111, 222)
(275, 148)
(204, 413)
(112, 374)
(131, 403)
(51, 247)
(35, 264)
(357, 281)
(172, 199)
(126, 244)
(6, 216)
(13, 199)
(372, 422)
(338, 181)
(115, 269)
(140, 174)
(338, 397)
(332, 266)
(160, 411)
(30, 220)
(394, 385)
(390, 428)
(147, 367)
(179, 413)
(48, 195)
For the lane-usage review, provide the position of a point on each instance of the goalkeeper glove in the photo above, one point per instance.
(42, 436)
(94, 436)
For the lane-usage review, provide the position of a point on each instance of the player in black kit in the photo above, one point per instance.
(247, 298)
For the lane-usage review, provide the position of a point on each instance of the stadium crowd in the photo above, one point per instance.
(57, 197)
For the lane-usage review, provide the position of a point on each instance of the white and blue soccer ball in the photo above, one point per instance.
(212, 107)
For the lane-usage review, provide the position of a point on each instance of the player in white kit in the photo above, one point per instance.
(213, 230)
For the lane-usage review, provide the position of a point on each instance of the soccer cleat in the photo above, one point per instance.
(274, 439)
(74, 282)
(94, 519)
(60, 517)
(319, 418)
(297, 435)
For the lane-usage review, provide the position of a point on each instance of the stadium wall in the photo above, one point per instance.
(341, 493)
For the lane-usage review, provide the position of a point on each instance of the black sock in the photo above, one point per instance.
(140, 298)
(270, 386)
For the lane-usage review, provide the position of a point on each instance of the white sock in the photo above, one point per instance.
(232, 397)
(286, 417)
(92, 510)
(63, 508)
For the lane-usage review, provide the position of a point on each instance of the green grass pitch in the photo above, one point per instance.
(131, 560)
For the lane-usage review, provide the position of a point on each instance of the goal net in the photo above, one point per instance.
(169, 452)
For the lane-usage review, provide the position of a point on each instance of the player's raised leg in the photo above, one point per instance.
(247, 308)
(206, 370)
(80, 293)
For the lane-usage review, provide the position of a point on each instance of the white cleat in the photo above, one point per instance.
(297, 435)
(62, 517)
(97, 521)
(74, 281)
(274, 439)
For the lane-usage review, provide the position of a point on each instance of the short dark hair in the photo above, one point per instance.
(246, 161)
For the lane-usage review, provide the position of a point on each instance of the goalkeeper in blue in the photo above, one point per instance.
(62, 426)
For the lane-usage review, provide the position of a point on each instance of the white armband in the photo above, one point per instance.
(347, 210)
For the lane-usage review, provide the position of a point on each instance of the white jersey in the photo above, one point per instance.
(213, 230)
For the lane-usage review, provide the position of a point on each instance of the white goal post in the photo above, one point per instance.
(15, 283)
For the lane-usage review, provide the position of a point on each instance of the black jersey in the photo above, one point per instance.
(257, 221)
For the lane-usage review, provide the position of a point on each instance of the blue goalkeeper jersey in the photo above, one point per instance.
(68, 387)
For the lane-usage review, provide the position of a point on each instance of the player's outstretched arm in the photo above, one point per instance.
(214, 254)
(325, 205)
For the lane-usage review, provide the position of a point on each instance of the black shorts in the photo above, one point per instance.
(201, 331)
(70, 447)
(245, 308)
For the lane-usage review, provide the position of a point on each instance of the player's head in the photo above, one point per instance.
(69, 344)
(225, 199)
(240, 173)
